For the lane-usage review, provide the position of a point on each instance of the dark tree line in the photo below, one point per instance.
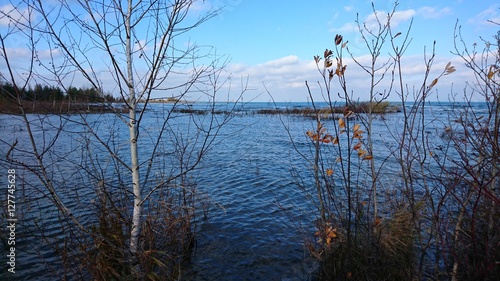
(53, 93)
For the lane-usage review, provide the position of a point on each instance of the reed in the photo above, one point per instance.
(444, 221)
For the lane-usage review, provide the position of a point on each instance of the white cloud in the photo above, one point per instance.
(202, 6)
(402, 16)
(282, 72)
(284, 61)
(141, 45)
(433, 12)
(285, 77)
(485, 17)
(18, 53)
(348, 8)
(10, 15)
(346, 28)
(371, 22)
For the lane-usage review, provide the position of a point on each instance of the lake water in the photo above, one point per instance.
(254, 206)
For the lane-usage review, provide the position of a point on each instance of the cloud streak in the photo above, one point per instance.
(433, 12)
(488, 16)
(10, 15)
(285, 78)
(371, 22)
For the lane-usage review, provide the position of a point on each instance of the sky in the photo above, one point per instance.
(274, 43)
(271, 44)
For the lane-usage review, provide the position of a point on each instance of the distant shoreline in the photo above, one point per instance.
(63, 107)
(58, 107)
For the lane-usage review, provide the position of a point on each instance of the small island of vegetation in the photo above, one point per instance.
(328, 112)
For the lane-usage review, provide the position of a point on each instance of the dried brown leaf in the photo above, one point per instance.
(328, 63)
(490, 74)
(330, 74)
(450, 70)
(356, 128)
(329, 172)
(434, 82)
(341, 123)
(327, 53)
(338, 39)
(361, 152)
(357, 146)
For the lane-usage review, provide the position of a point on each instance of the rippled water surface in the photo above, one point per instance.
(249, 235)
(253, 208)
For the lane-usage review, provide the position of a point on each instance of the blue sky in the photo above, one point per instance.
(254, 32)
(273, 43)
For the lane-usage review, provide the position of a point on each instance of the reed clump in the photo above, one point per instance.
(446, 183)
(167, 239)
(328, 112)
(373, 107)
(381, 252)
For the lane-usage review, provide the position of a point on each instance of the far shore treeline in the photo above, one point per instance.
(53, 93)
(46, 99)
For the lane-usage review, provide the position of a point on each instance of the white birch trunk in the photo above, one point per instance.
(134, 156)
(136, 187)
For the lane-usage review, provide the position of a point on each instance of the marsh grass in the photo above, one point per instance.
(445, 222)
(167, 239)
(328, 112)
(374, 107)
(381, 252)
(473, 249)
(105, 259)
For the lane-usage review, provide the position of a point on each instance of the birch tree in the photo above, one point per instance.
(142, 47)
